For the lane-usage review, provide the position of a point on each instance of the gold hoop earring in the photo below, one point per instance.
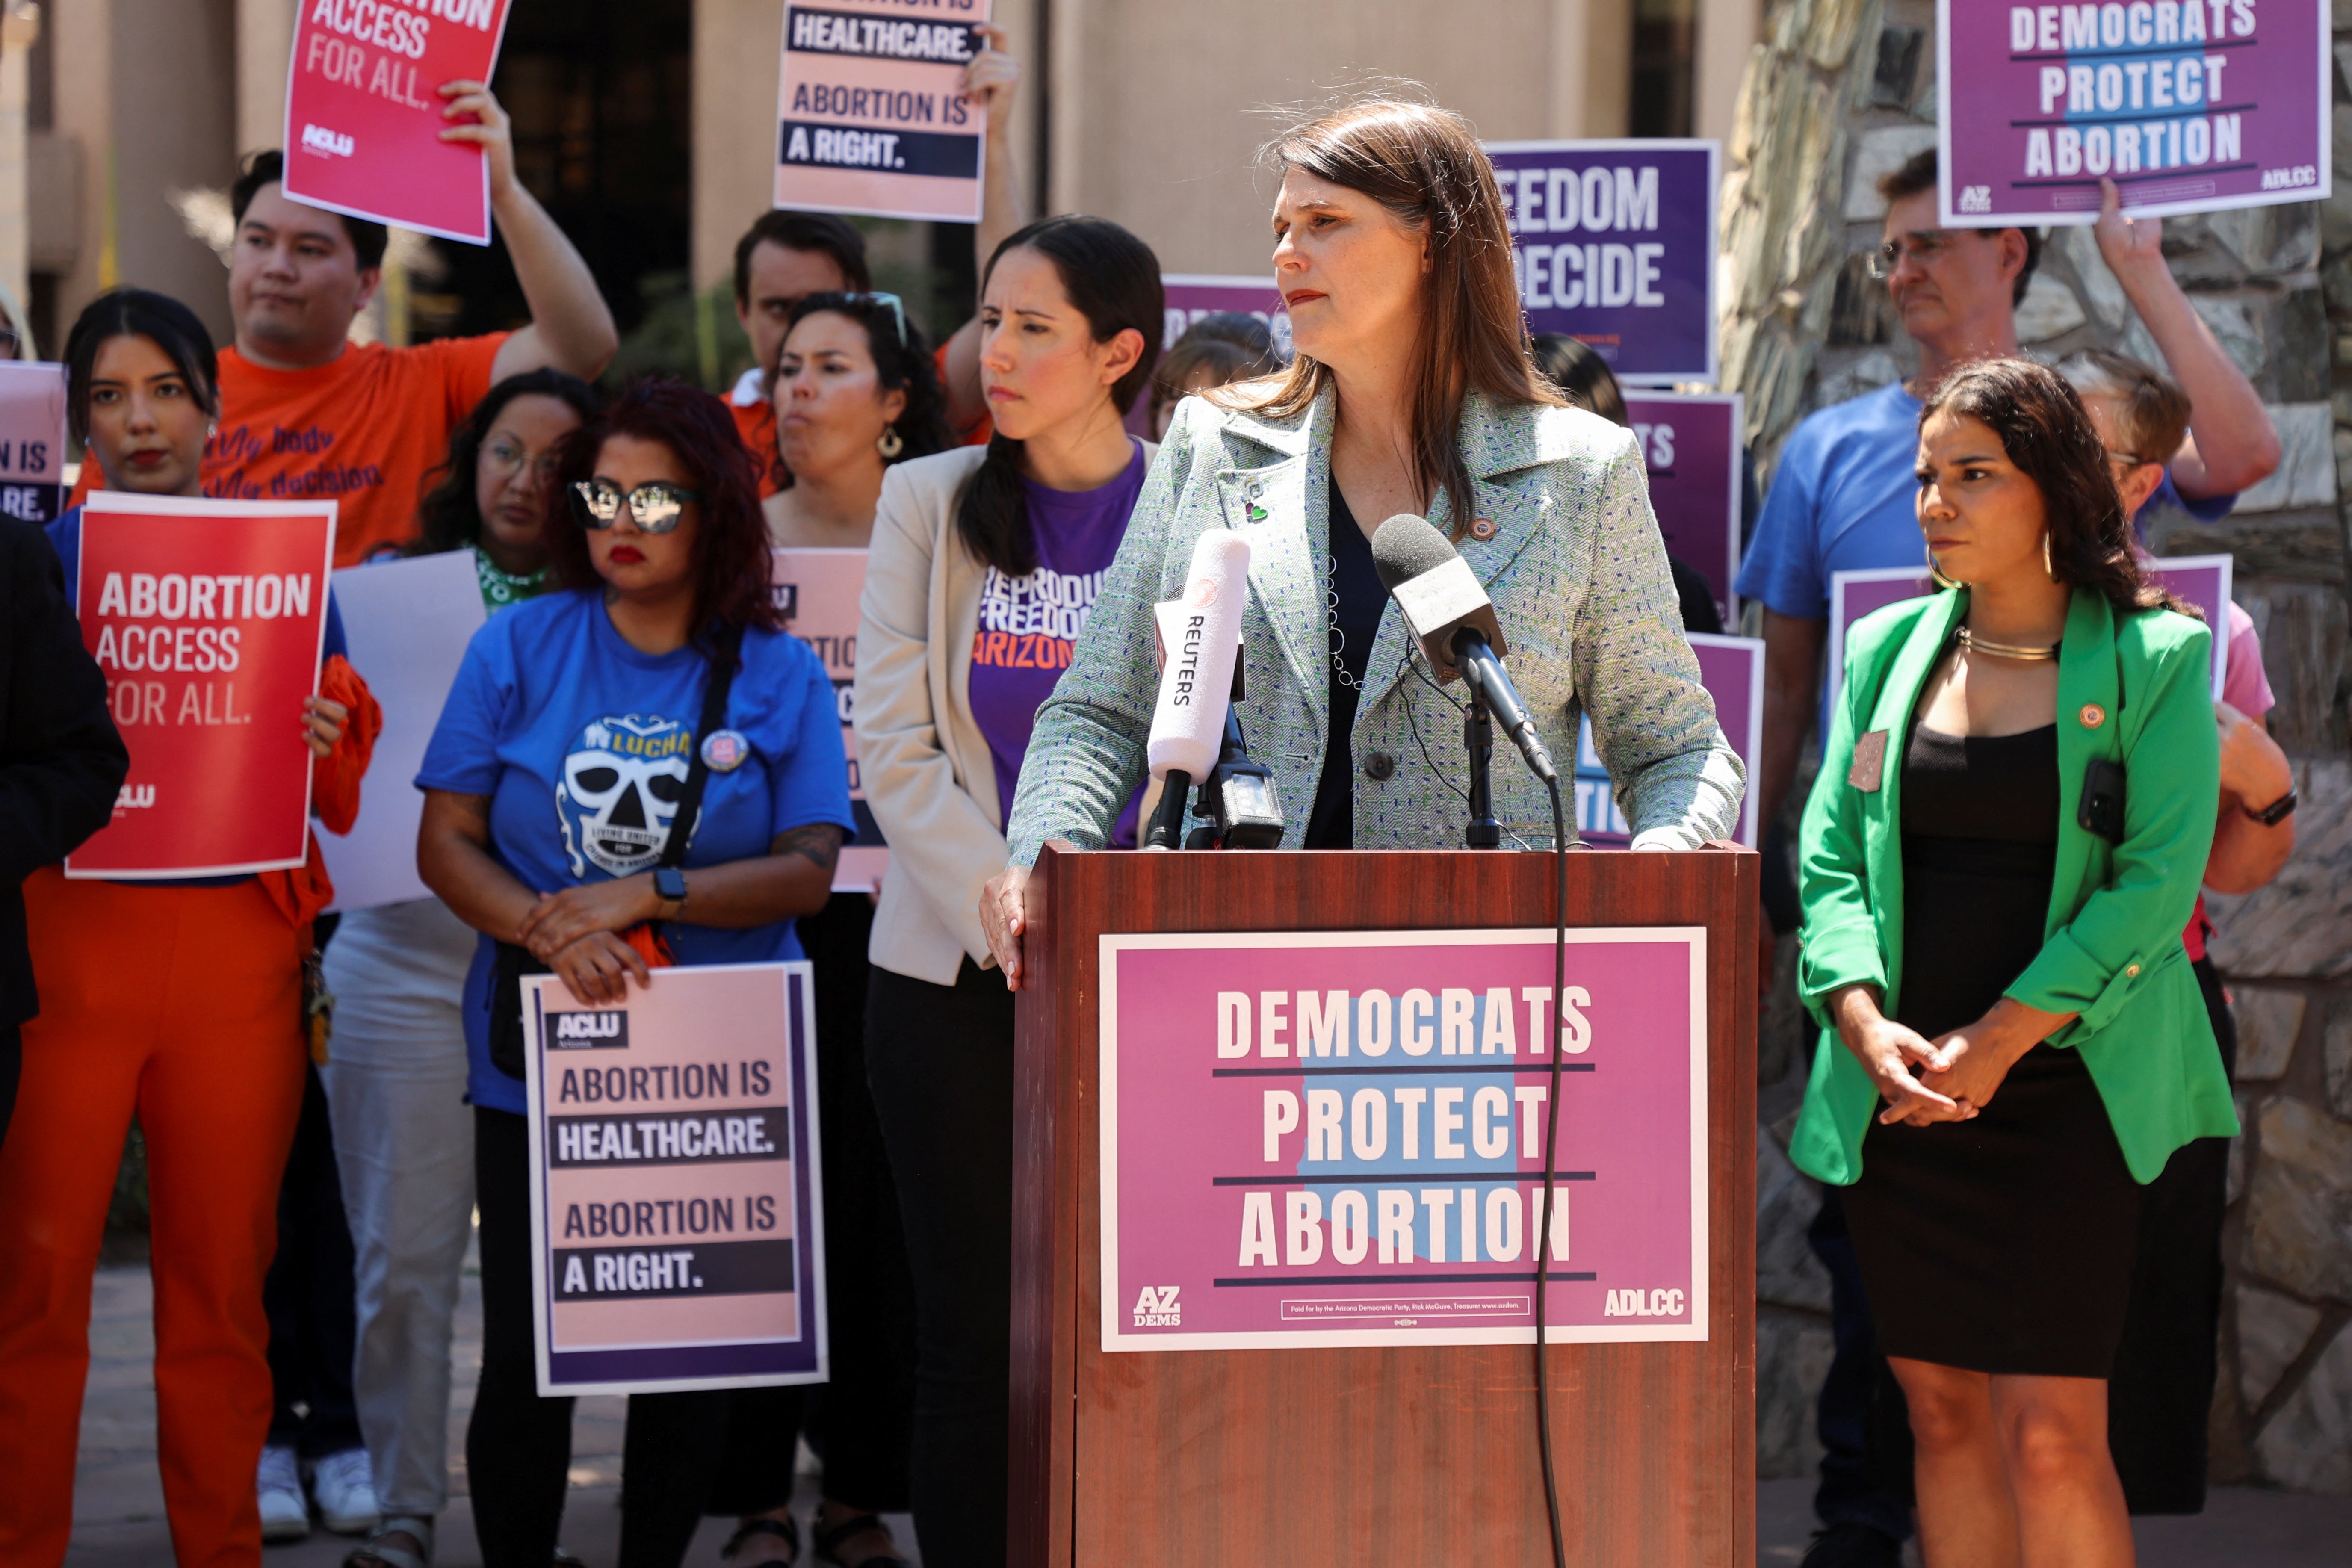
(1936, 573)
(891, 443)
(2051, 570)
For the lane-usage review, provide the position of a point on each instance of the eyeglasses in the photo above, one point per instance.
(897, 308)
(506, 459)
(656, 507)
(1921, 248)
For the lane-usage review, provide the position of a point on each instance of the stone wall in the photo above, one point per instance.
(1839, 92)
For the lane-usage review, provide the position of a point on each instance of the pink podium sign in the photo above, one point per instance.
(1336, 1138)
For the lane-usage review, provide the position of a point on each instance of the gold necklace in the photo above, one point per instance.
(1974, 644)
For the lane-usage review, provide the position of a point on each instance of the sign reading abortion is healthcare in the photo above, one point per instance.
(363, 112)
(870, 109)
(32, 440)
(1614, 244)
(1336, 1138)
(2187, 105)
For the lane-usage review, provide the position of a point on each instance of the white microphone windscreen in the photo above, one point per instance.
(1204, 634)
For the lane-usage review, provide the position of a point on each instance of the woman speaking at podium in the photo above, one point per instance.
(1411, 392)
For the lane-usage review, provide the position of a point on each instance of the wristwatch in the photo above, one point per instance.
(669, 887)
(2278, 811)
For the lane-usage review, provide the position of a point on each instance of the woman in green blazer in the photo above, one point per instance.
(2014, 810)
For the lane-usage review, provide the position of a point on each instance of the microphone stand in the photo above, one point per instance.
(1482, 832)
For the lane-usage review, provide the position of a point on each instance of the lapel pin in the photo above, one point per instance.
(1482, 528)
(1257, 513)
(2093, 715)
(724, 751)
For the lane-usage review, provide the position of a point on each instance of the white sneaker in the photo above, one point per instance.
(340, 1485)
(284, 1515)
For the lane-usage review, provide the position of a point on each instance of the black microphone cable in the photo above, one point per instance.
(1550, 1172)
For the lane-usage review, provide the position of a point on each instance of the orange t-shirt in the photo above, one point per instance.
(365, 430)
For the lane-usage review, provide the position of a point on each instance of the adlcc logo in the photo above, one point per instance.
(326, 144)
(1156, 1308)
(590, 1032)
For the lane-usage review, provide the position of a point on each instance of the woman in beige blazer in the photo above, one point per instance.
(983, 566)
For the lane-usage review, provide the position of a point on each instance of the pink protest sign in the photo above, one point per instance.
(1691, 447)
(2187, 105)
(1732, 671)
(818, 590)
(2200, 580)
(676, 1204)
(363, 112)
(1336, 1138)
(870, 111)
(32, 440)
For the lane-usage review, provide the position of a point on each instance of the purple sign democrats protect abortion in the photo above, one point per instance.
(1690, 444)
(1336, 1138)
(2203, 581)
(2187, 105)
(1614, 244)
(1732, 671)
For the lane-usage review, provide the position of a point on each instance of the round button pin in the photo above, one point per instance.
(1482, 528)
(2093, 715)
(723, 751)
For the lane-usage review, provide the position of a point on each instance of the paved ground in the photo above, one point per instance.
(119, 1503)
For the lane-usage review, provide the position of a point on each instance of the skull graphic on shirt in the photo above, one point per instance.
(619, 794)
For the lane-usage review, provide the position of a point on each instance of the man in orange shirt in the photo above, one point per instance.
(305, 412)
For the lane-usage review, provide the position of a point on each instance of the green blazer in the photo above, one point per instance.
(2132, 688)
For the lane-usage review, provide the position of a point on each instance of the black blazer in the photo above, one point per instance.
(60, 758)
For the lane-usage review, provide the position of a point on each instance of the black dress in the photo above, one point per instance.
(2002, 1243)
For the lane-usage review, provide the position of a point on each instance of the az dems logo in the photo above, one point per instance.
(326, 144)
(1156, 1308)
(590, 1032)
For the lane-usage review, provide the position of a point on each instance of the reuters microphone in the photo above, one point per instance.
(1454, 621)
(1203, 631)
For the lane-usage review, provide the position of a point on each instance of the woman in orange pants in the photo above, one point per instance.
(180, 1003)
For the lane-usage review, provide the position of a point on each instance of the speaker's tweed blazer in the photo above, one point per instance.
(1573, 561)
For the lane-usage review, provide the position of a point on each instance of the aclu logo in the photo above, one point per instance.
(134, 797)
(1156, 1308)
(326, 144)
(590, 1032)
(1642, 1304)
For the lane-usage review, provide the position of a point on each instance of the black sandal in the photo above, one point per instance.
(825, 1539)
(783, 1529)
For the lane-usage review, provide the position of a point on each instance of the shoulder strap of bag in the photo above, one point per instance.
(724, 659)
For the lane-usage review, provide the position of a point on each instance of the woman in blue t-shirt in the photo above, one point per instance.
(551, 788)
(983, 567)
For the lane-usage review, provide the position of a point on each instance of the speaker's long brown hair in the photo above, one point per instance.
(2047, 433)
(1424, 165)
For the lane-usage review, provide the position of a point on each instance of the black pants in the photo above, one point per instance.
(861, 1422)
(941, 1062)
(310, 1294)
(519, 1445)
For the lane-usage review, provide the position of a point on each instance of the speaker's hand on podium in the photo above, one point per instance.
(1003, 915)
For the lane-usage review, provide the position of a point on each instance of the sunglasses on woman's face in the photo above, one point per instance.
(656, 507)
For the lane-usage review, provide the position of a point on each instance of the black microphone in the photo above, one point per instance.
(1450, 613)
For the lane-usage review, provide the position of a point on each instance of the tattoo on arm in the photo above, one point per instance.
(819, 844)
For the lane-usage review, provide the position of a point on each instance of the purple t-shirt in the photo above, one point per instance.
(1029, 625)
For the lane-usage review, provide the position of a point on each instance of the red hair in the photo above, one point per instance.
(732, 582)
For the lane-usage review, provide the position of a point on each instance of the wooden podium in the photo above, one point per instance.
(1404, 1455)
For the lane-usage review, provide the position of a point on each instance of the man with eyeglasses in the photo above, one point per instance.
(1841, 500)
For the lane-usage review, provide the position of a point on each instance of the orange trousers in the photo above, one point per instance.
(181, 1005)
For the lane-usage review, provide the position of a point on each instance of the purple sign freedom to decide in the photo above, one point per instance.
(1732, 671)
(2203, 581)
(1690, 444)
(2187, 105)
(1193, 295)
(1613, 243)
(1336, 1138)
